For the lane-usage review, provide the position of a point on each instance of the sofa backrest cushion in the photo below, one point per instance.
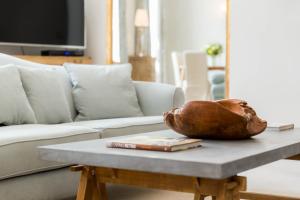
(46, 94)
(7, 59)
(103, 91)
(14, 106)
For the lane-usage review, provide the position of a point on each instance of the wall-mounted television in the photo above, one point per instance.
(45, 23)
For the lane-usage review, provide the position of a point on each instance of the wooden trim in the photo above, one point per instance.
(216, 68)
(56, 60)
(258, 196)
(297, 157)
(109, 34)
(228, 37)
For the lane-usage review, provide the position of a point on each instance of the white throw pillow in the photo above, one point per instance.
(46, 94)
(14, 106)
(103, 91)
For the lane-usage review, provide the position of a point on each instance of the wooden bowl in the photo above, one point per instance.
(230, 119)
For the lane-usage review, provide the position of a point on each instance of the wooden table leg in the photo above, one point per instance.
(93, 181)
(199, 196)
(226, 189)
(89, 188)
(231, 190)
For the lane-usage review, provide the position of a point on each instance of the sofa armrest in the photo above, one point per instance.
(156, 98)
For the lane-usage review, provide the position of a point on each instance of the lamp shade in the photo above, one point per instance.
(141, 18)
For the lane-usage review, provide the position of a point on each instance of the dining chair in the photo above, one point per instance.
(177, 63)
(196, 74)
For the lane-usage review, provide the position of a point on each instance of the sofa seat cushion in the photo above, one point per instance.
(18, 146)
(124, 126)
(279, 178)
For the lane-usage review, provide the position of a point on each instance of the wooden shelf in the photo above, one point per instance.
(216, 68)
(57, 60)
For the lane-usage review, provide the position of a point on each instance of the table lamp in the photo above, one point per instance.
(142, 37)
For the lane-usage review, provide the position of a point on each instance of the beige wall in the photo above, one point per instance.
(95, 19)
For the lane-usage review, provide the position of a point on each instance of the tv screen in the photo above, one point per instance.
(43, 23)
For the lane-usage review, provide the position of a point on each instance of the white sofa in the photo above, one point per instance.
(23, 176)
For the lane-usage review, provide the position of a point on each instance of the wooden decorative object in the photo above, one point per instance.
(57, 60)
(228, 45)
(142, 68)
(109, 31)
(225, 119)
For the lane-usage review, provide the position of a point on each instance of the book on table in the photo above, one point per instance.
(154, 143)
(280, 126)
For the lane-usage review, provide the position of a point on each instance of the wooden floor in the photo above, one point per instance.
(133, 193)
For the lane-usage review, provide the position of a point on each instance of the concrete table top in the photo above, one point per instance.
(215, 159)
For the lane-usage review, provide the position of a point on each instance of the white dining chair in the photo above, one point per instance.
(196, 74)
(177, 62)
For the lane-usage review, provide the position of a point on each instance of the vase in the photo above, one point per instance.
(213, 60)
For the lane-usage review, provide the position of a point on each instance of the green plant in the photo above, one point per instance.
(214, 49)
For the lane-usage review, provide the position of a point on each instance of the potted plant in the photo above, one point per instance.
(214, 50)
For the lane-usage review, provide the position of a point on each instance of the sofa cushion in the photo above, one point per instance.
(157, 98)
(218, 91)
(124, 126)
(46, 94)
(102, 91)
(216, 76)
(18, 146)
(7, 59)
(14, 105)
(67, 84)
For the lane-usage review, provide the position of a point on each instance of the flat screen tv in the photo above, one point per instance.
(46, 23)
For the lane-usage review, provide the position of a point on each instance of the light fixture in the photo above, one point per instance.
(142, 36)
(141, 18)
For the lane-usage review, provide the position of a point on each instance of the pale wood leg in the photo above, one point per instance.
(198, 196)
(88, 188)
(228, 195)
(83, 188)
(102, 191)
(226, 189)
(231, 190)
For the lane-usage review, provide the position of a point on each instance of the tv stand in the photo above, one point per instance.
(57, 60)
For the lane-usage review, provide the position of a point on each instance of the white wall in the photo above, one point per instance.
(96, 20)
(265, 57)
(190, 25)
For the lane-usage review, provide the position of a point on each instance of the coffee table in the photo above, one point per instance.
(210, 170)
